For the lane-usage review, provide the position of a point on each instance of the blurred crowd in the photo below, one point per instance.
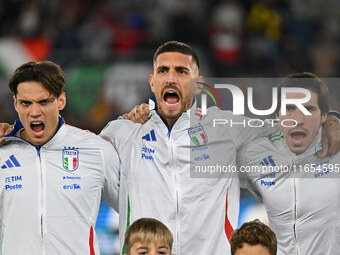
(105, 47)
(250, 38)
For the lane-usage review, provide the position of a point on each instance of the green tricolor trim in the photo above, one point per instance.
(107, 125)
(2, 240)
(127, 224)
(275, 137)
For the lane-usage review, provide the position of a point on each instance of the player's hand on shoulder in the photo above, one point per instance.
(139, 114)
(330, 136)
(4, 130)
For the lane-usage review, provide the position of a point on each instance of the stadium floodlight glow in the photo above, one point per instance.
(238, 100)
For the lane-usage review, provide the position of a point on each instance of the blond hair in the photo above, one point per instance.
(146, 230)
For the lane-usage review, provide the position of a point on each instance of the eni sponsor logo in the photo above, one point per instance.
(71, 186)
(202, 157)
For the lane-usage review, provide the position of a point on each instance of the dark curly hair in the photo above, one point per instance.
(253, 233)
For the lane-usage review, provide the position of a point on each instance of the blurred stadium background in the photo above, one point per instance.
(105, 48)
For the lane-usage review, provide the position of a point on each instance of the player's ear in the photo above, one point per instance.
(15, 103)
(199, 81)
(61, 101)
(323, 118)
(151, 82)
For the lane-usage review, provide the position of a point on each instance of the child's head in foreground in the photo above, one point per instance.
(148, 236)
(253, 238)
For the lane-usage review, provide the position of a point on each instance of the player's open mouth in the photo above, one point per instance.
(171, 98)
(38, 128)
(298, 137)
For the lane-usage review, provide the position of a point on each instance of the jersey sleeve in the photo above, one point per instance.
(244, 129)
(253, 190)
(247, 156)
(108, 133)
(111, 180)
(119, 133)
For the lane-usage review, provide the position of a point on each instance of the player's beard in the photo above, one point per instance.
(165, 115)
(169, 116)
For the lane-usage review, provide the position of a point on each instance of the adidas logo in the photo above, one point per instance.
(267, 161)
(150, 136)
(10, 163)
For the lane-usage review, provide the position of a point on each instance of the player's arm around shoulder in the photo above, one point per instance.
(119, 132)
(102, 156)
(242, 128)
(248, 158)
(111, 173)
(5, 129)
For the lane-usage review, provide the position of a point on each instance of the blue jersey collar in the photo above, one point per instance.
(153, 106)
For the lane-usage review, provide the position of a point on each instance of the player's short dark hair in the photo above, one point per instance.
(175, 46)
(145, 230)
(47, 73)
(253, 233)
(308, 81)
